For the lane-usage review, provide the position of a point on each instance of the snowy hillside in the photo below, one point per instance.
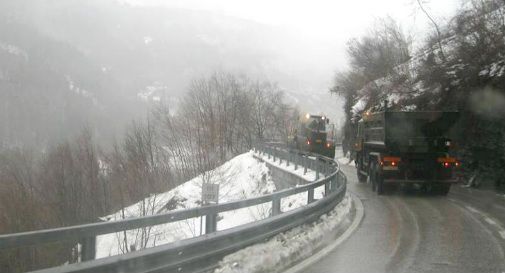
(240, 178)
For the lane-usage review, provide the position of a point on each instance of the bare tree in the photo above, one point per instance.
(421, 4)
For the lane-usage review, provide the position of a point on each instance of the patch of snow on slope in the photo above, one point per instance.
(496, 69)
(14, 50)
(287, 248)
(359, 106)
(300, 199)
(240, 178)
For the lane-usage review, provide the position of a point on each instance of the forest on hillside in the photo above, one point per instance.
(460, 67)
(78, 181)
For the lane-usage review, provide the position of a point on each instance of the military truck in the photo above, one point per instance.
(406, 148)
(314, 134)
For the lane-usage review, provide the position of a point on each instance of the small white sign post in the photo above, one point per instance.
(210, 194)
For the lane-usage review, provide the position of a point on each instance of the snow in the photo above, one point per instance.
(346, 161)
(80, 91)
(401, 93)
(309, 176)
(283, 250)
(496, 69)
(297, 200)
(14, 50)
(240, 178)
(359, 106)
(153, 92)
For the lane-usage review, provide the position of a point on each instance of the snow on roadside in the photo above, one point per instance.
(283, 250)
(297, 200)
(345, 161)
(309, 176)
(240, 178)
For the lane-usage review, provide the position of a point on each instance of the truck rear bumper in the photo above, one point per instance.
(419, 181)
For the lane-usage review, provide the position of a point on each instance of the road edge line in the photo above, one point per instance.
(360, 213)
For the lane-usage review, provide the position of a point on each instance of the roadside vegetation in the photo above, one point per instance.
(77, 181)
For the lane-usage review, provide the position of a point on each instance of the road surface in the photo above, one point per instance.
(416, 232)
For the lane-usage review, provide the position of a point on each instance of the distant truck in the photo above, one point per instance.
(409, 148)
(314, 134)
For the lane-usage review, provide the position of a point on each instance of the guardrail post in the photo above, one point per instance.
(210, 223)
(88, 248)
(310, 195)
(305, 165)
(333, 181)
(295, 161)
(317, 171)
(288, 158)
(327, 188)
(276, 206)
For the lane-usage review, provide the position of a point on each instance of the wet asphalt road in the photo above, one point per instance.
(418, 232)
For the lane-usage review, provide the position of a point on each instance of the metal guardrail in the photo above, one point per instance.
(198, 253)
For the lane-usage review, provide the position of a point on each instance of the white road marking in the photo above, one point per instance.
(490, 221)
(472, 209)
(302, 266)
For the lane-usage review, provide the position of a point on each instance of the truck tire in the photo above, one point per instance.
(380, 184)
(376, 178)
(361, 177)
(371, 174)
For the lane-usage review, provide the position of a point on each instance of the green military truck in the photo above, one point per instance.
(314, 134)
(406, 148)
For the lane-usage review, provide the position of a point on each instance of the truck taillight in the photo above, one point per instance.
(446, 162)
(308, 142)
(390, 161)
(328, 145)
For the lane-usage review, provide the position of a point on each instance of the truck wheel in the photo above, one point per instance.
(361, 177)
(380, 184)
(371, 174)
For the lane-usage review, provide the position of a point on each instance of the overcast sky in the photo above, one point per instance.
(330, 20)
(324, 25)
(328, 23)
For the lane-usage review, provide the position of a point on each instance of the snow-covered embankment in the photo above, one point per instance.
(289, 248)
(240, 178)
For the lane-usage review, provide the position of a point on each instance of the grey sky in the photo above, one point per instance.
(327, 23)
(323, 26)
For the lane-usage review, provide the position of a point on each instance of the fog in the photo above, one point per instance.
(65, 65)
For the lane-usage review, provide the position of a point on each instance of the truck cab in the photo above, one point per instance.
(315, 135)
(406, 148)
